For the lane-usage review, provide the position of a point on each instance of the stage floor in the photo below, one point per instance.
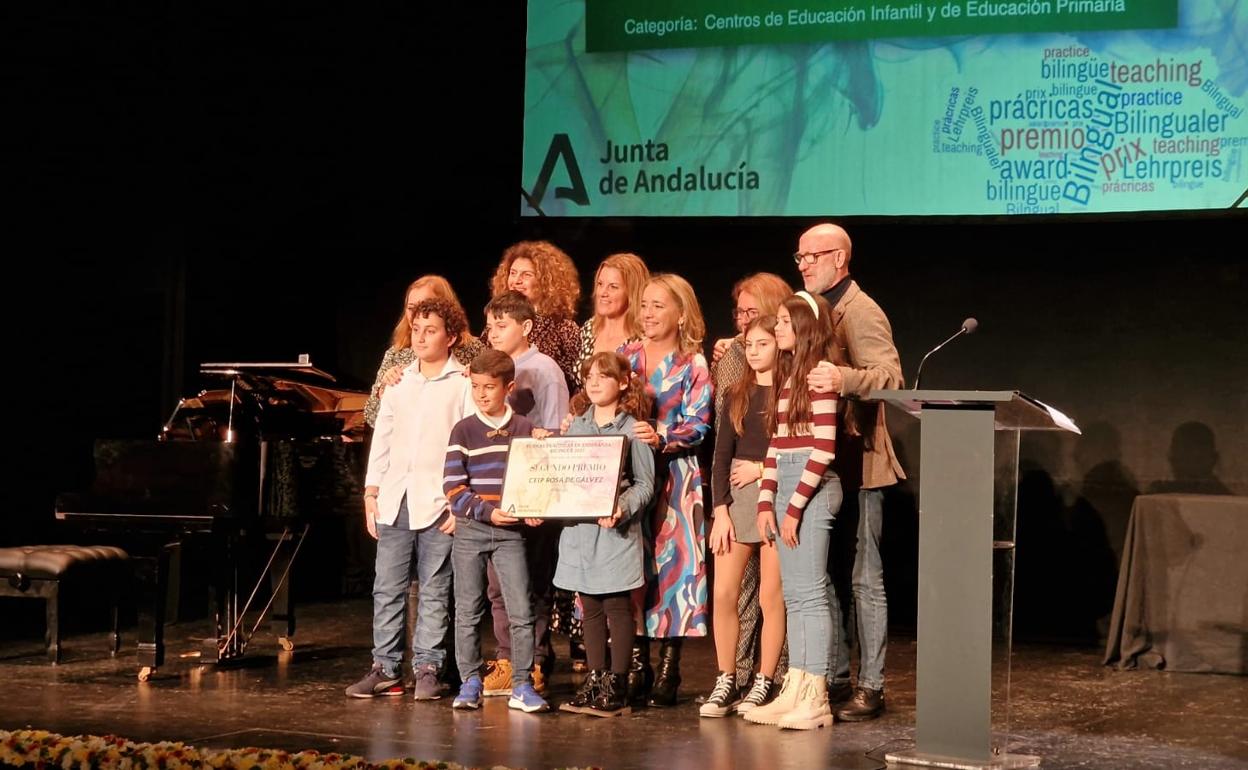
(1068, 709)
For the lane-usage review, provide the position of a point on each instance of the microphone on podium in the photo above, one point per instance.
(968, 327)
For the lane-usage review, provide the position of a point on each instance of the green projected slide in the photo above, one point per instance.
(837, 108)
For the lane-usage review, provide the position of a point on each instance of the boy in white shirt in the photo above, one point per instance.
(405, 506)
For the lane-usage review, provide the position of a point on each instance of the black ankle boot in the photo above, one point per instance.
(610, 700)
(668, 678)
(583, 700)
(640, 675)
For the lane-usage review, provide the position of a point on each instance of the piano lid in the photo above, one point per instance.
(274, 439)
(301, 369)
(294, 400)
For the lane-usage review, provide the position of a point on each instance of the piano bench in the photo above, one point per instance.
(36, 572)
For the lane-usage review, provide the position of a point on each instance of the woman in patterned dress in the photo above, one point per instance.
(545, 275)
(670, 362)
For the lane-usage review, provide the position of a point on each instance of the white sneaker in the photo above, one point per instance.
(785, 702)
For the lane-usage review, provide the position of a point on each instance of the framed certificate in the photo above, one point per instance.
(563, 477)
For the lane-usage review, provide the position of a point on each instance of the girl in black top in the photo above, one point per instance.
(740, 448)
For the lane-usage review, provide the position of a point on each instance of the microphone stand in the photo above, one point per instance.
(919, 374)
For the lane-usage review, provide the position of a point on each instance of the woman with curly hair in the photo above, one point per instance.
(545, 275)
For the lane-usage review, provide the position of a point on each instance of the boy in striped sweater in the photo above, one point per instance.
(476, 458)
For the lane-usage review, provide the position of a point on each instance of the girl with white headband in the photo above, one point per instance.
(799, 483)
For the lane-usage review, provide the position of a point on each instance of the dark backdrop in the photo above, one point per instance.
(217, 184)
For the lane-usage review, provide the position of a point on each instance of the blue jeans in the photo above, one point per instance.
(541, 548)
(871, 605)
(477, 544)
(816, 641)
(397, 545)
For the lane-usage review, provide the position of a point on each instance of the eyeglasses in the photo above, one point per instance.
(810, 257)
(748, 314)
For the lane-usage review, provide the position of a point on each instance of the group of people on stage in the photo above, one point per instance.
(792, 436)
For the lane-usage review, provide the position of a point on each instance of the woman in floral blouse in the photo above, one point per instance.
(544, 274)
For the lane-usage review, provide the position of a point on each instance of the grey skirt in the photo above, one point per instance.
(744, 513)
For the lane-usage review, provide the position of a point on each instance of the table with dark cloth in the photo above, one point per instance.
(1182, 600)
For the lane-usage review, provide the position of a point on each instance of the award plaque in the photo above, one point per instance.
(563, 477)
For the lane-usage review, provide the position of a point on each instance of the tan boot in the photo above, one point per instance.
(812, 709)
(497, 678)
(539, 679)
(770, 713)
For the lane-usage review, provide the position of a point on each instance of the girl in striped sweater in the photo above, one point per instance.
(800, 487)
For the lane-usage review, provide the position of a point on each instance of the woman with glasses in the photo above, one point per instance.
(753, 296)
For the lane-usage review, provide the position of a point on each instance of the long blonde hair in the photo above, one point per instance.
(635, 274)
(439, 288)
(690, 333)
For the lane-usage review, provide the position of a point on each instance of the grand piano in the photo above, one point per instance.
(244, 468)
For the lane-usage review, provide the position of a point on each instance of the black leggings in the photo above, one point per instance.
(602, 610)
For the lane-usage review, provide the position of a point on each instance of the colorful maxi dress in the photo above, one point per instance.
(674, 530)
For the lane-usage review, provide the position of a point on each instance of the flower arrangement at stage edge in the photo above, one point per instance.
(42, 749)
